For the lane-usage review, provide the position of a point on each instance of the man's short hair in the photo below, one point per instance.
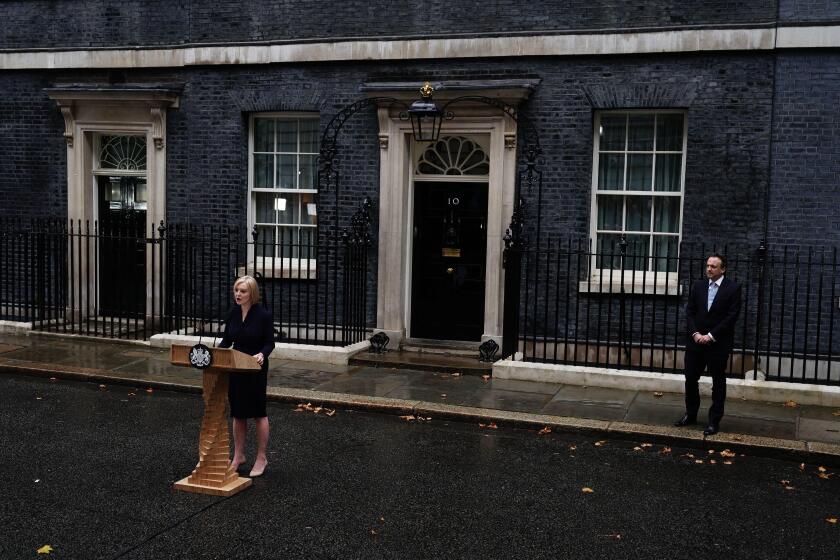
(718, 256)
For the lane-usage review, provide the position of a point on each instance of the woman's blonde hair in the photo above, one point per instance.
(253, 287)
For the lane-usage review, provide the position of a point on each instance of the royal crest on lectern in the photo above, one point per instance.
(200, 356)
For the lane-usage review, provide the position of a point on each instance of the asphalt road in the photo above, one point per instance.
(88, 470)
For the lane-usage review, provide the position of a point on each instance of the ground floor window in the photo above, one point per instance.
(637, 184)
(283, 150)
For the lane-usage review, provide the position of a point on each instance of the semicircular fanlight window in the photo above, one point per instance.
(454, 155)
(123, 152)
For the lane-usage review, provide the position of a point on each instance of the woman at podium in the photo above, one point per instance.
(249, 329)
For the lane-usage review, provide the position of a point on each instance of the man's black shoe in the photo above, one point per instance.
(686, 420)
(711, 430)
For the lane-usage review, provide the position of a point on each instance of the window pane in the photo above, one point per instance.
(288, 208)
(287, 136)
(666, 217)
(612, 132)
(308, 210)
(608, 251)
(263, 135)
(611, 171)
(265, 241)
(668, 172)
(264, 213)
(287, 171)
(638, 250)
(307, 248)
(638, 213)
(665, 251)
(307, 172)
(263, 170)
(609, 212)
(640, 136)
(287, 241)
(639, 172)
(669, 133)
(309, 136)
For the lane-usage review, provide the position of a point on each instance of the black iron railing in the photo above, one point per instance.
(621, 308)
(121, 281)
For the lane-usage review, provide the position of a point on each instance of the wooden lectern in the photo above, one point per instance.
(214, 473)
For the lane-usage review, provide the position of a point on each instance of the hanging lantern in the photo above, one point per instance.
(425, 116)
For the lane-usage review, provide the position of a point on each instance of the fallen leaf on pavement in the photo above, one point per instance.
(698, 461)
(150, 390)
(637, 448)
(832, 520)
(801, 466)
(665, 450)
(373, 532)
(658, 394)
(102, 386)
(821, 469)
(711, 451)
(409, 418)
(382, 520)
(727, 453)
(443, 395)
(56, 379)
(329, 412)
(600, 443)
(615, 536)
(544, 431)
(456, 374)
(46, 549)
(835, 413)
(485, 378)
(39, 398)
(790, 404)
(645, 445)
(587, 490)
(712, 461)
(825, 476)
(727, 462)
(493, 426)
(573, 448)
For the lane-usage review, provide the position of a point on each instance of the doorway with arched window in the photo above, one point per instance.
(119, 173)
(449, 239)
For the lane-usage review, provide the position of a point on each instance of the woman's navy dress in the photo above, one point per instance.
(246, 392)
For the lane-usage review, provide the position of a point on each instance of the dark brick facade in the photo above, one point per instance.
(757, 121)
(33, 164)
(801, 11)
(727, 97)
(805, 193)
(102, 23)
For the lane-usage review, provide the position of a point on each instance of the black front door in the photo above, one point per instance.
(450, 247)
(122, 246)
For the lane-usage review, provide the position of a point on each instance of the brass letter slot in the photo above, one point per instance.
(450, 252)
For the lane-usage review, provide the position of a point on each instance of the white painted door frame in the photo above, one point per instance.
(396, 215)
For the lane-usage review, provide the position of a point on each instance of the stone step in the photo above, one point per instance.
(425, 361)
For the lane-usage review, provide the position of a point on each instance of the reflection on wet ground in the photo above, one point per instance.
(134, 361)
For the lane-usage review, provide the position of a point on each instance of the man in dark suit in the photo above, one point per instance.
(711, 312)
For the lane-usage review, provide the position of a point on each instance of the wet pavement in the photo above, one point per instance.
(88, 469)
(805, 428)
